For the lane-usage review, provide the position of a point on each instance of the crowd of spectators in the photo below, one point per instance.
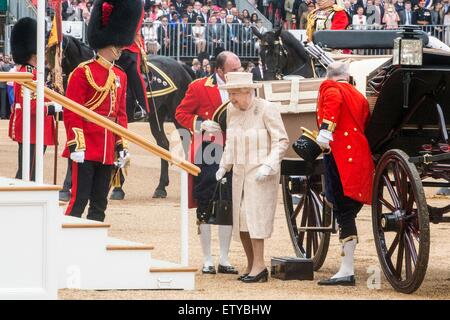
(202, 25)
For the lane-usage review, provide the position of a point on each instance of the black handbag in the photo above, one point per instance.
(220, 211)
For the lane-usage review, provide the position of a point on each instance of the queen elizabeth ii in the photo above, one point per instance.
(256, 142)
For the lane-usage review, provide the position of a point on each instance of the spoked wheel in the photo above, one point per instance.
(308, 212)
(400, 221)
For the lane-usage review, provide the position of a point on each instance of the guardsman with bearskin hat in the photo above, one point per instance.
(328, 16)
(23, 49)
(101, 86)
(342, 116)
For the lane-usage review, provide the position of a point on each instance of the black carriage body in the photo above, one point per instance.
(395, 126)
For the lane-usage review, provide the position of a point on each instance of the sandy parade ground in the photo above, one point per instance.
(157, 222)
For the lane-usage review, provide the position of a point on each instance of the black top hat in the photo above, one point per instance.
(114, 23)
(23, 40)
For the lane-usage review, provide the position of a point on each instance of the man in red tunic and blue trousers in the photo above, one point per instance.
(342, 115)
(101, 86)
(204, 100)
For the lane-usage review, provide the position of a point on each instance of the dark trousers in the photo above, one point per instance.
(345, 209)
(32, 162)
(136, 93)
(4, 104)
(67, 185)
(90, 182)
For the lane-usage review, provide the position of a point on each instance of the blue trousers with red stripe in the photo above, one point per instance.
(90, 183)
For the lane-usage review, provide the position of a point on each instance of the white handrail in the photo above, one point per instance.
(39, 167)
(26, 134)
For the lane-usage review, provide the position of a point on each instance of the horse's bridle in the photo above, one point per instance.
(282, 53)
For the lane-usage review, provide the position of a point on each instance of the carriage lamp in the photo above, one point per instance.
(408, 49)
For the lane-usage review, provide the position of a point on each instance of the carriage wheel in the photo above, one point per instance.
(400, 221)
(307, 213)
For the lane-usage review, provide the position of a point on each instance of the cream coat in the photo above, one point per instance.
(254, 137)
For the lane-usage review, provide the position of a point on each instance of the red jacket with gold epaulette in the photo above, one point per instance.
(101, 87)
(344, 111)
(201, 101)
(16, 120)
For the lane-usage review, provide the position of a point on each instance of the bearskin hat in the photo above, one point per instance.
(24, 40)
(114, 23)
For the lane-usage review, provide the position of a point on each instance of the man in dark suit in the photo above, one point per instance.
(215, 33)
(179, 7)
(192, 16)
(165, 36)
(258, 71)
(204, 15)
(407, 16)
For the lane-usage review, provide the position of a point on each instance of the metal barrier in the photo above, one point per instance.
(182, 41)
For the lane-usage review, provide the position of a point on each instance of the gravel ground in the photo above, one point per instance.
(157, 222)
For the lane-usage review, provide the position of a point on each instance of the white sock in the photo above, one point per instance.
(347, 263)
(205, 240)
(224, 240)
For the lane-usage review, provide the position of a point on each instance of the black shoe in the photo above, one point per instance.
(227, 269)
(242, 276)
(260, 277)
(342, 281)
(209, 270)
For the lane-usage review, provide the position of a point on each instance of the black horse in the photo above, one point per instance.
(283, 55)
(163, 105)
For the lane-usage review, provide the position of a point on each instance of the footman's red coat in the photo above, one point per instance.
(346, 111)
(202, 99)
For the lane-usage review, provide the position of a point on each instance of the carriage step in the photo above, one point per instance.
(318, 229)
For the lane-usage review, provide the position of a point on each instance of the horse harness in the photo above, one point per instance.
(283, 52)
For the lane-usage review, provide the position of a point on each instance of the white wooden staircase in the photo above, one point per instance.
(89, 259)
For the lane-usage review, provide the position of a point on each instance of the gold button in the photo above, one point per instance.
(355, 129)
(345, 133)
(206, 113)
(350, 159)
(332, 118)
(360, 195)
(349, 147)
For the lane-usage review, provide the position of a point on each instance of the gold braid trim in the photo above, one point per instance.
(101, 91)
(311, 24)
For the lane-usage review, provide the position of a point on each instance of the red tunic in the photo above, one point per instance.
(16, 120)
(202, 99)
(99, 144)
(346, 112)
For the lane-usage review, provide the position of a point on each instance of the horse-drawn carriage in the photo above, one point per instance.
(408, 135)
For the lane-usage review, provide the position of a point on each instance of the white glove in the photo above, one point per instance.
(324, 138)
(210, 126)
(58, 107)
(263, 172)
(220, 174)
(124, 159)
(77, 156)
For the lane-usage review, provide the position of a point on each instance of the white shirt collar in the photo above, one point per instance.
(223, 93)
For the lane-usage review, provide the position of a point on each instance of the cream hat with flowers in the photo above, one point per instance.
(239, 80)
